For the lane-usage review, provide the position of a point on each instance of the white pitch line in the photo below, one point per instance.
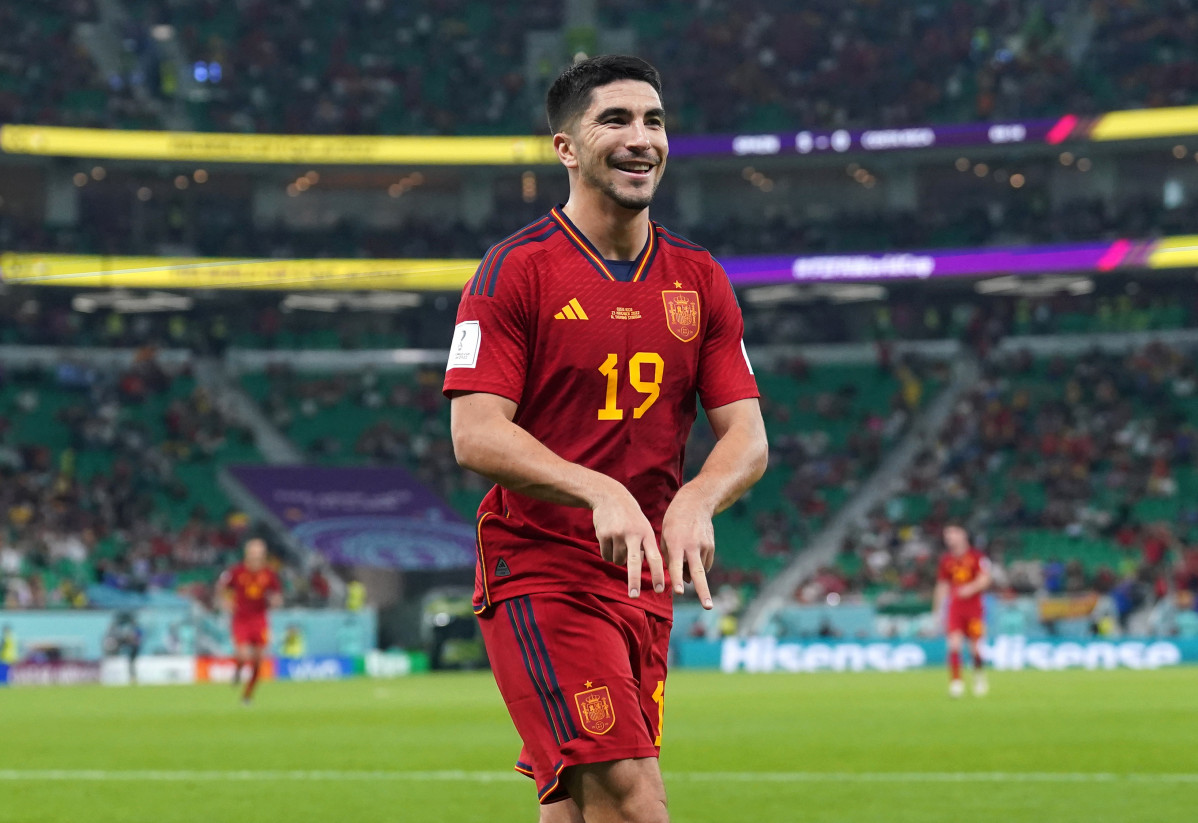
(935, 777)
(185, 775)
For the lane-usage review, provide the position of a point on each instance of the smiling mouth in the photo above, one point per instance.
(637, 170)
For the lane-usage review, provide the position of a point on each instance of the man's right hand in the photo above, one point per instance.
(625, 537)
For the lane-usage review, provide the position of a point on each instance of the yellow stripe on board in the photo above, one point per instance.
(1174, 252)
(95, 271)
(1146, 123)
(118, 144)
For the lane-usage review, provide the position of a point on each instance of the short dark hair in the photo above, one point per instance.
(570, 94)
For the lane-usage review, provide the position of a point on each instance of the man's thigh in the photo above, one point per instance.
(579, 675)
(623, 791)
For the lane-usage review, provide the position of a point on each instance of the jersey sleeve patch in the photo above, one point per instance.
(467, 340)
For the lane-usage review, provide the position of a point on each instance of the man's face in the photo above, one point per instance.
(619, 143)
(255, 554)
(956, 539)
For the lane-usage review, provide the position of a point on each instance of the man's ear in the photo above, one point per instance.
(563, 145)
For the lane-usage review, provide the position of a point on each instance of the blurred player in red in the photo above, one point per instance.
(582, 345)
(963, 575)
(249, 589)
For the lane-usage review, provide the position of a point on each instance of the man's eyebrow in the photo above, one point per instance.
(620, 111)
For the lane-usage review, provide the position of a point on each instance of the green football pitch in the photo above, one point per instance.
(1072, 746)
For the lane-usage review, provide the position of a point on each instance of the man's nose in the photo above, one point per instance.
(638, 136)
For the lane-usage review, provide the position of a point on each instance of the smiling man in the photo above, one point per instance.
(582, 343)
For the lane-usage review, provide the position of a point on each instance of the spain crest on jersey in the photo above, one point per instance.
(595, 710)
(682, 313)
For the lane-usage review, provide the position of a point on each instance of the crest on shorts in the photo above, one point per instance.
(682, 314)
(595, 709)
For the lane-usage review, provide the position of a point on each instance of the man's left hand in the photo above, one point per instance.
(688, 538)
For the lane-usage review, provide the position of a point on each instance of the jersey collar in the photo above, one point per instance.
(643, 261)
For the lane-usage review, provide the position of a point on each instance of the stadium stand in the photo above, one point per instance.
(109, 483)
(69, 90)
(941, 221)
(1076, 474)
(458, 67)
(769, 64)
(30, 316)
(1009, 218)
(359, 66)
(1108, 520)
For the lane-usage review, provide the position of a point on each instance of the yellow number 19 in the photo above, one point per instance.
(659, 697)
(611, 370)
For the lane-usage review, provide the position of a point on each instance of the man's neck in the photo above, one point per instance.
(615, 232)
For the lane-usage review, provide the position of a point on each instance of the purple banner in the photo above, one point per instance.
(908, 138)
(918, 265)
(380, 517)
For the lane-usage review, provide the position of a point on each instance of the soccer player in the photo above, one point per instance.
(581, 344)
(963, 575)
(249, 589)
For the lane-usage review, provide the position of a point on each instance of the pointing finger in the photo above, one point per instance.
(634, 567)
(676, 569)
(656, 571)
(699, 577)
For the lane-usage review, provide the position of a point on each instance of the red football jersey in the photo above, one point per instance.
(605, 373)
(250, 589)
(957, 571)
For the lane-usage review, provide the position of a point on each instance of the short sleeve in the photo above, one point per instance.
(725, 374)
(489, 350)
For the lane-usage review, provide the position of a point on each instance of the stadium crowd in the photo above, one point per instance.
(70, 89)
(460, 66)
(263, 321)
(1104, 438)
(1073, 474)
(91, 488)
(941, 221)
(359, 66)
(1007, 218)
(770, 64)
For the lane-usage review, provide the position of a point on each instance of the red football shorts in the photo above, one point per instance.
(584, 680)
(967, 619)
(251, 630)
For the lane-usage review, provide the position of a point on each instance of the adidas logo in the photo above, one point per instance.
(571, 311)
(501, 569)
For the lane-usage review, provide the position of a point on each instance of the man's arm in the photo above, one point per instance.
(736, 462)
(486, 441)
(978, 584)
(939, 595)
(274, 595)
(223, 595)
